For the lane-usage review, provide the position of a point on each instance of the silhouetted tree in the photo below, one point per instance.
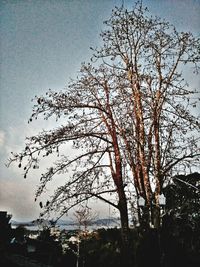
(85, 217)
(5, 230)
(182, 218)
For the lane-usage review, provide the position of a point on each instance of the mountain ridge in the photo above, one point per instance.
(102, 221)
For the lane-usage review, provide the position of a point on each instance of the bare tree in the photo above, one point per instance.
(160, 133)
(85, 217)
(128, 115)
(90, 126)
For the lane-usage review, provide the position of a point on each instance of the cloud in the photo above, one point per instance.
(18, 200)
(2, 138)
(16, 193)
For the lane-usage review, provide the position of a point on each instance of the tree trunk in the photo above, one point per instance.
(156, 216)
(124, 220)
(145, 218)
(125, 231)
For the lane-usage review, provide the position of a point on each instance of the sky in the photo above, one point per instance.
(42, 45)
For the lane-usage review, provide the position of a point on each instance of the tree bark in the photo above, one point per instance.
(124, 218)
(125, 231)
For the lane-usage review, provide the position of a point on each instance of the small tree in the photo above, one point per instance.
(85, 217)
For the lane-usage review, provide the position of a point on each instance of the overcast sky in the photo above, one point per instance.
(43, 43)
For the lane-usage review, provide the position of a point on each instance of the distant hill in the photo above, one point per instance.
(17, 223)
(109, 222)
